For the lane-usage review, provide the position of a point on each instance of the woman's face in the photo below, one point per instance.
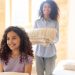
(13, 40)
(46, 9)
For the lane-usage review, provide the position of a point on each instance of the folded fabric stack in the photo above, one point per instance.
(42, 35)
(70, 66)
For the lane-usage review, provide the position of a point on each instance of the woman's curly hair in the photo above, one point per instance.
(54, 9)
(25, 44)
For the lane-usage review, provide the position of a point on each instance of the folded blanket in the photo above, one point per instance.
(69, 66)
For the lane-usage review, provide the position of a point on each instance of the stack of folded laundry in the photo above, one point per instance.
(42, 35)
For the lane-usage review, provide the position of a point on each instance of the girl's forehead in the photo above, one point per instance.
(12, 33)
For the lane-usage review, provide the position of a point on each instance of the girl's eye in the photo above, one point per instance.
(14, 38)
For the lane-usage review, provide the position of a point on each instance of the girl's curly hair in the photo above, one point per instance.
(25, 44)
(54, 10)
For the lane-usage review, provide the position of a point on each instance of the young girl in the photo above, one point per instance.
(16, 51)
(46, 55)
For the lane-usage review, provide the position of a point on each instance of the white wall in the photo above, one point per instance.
(71, 30)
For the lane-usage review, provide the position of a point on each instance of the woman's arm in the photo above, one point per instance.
(56, 37)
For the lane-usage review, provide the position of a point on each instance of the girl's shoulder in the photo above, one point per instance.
(29, 60)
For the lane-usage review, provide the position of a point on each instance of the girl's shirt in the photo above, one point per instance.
(50, 50)
(14, 65)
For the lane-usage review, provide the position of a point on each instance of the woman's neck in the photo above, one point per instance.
(46, 17)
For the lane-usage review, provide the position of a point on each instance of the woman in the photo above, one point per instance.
(46, 55)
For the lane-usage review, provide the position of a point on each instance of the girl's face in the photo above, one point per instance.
(46, 9)
(13, 40)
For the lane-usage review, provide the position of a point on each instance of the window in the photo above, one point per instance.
(22, 13)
